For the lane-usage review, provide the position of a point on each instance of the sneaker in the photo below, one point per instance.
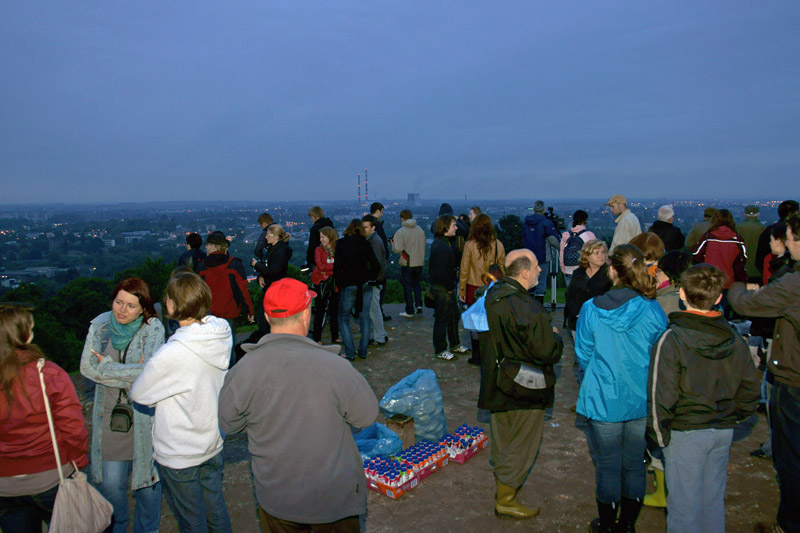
(761, 454)
(446, 355)
(419, 310)
(406, 315)
(460, 349)
(385, 341)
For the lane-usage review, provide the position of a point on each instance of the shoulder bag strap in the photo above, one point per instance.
(40, 365)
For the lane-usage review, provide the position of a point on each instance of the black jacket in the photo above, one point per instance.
(192, 258)
(672, 236)
(355, 262)
(276, 263)
(701, 376)
(581, 289)
(442, 264)
(313, 238)
(382, 234)
(519, 329)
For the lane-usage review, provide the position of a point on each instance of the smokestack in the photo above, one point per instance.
(366, 188)
(359, 189)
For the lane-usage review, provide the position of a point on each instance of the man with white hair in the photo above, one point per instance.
(672, 236)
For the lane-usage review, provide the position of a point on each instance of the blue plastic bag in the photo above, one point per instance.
(474, 318)
(418, 395)
(377, 439)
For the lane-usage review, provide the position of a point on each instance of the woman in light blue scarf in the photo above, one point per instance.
(117, 346)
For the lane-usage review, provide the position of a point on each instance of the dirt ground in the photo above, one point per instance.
(460, 497)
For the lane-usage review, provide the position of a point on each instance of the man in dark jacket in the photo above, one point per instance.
(781, 299)
(376, 210)
(193, 255)
(318, 221)
(691, 417)
(537, 233)
(370, 226)
(519, 331)
(663, 227)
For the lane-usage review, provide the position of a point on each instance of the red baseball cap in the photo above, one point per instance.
(287, 297)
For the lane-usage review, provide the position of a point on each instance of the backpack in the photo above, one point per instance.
(572, 249)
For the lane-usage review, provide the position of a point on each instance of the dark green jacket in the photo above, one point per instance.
(519, 329)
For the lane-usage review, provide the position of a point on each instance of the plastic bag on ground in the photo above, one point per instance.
(376, 440)
(418, 395)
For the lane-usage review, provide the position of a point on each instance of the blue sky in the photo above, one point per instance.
(141, 101)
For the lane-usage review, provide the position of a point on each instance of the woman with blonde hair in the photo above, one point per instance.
(275, 265)
(590, 279)
(615, 334)
(322, 278)
(482, 251)
(29, 477)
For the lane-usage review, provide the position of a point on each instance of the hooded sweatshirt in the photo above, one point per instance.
(680, 394)
(535, 232)
(182, 381)
(410, 238)
(613, 339)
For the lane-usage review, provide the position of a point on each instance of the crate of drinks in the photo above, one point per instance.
(424, 457)
(390, 477)
(465, 442)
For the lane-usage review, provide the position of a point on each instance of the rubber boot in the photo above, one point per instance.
(628, 513)
(506, 506)
(659, 497)
(608, 518)
(475, 358)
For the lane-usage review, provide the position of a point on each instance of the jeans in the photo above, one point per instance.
(195, 496)
(409, 277)
(784, 407)
(617, 450)
(347, 302)
(376, 315)
(445, 319)
(25, 514)
(541, 285)
(146, 514)
(696, 469)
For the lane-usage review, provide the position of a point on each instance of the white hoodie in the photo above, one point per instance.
(182, 380)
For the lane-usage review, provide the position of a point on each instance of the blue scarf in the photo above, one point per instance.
(122, 334)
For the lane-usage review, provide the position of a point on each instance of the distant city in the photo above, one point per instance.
(59, 242)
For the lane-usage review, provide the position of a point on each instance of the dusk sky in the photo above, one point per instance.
(143, 101)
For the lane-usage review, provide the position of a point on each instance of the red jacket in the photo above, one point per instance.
(724, 249)
(227, 280)
(25, 445)
(323, 269)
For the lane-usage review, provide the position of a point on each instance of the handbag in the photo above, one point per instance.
(79, 507)
(521, 381)
(122, 413)
(494, 269)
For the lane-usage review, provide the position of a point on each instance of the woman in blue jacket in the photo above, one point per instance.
(613, 339)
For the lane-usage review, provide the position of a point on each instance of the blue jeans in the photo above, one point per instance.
(784, 407)
(26, 513)
(376, 316)
(541, 285)
(195, 496)
(409, 277)
(696, 469)
(617, 450)
(146, 514)
(347, 302)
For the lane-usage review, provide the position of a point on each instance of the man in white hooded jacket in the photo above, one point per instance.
(182, 381)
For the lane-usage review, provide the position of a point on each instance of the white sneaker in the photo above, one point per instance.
(460, 349)
(446, 355)
(406, 315)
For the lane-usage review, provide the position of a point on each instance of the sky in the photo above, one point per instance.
(109, 101)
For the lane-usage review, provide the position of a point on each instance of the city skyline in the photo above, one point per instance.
(107, 103)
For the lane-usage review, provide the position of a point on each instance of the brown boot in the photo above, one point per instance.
(507, 506)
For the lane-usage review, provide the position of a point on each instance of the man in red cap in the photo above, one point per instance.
(297, 401)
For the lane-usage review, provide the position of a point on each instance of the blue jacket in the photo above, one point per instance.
(535, 231)
(612, 344)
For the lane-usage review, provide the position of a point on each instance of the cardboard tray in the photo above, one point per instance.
(392, 492)
(467, 454)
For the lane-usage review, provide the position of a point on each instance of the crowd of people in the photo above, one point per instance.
(648, 318)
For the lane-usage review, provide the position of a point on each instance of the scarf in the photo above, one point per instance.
(122, 334)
